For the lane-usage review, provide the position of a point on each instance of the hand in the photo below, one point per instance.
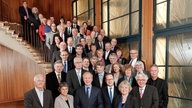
(25, 17)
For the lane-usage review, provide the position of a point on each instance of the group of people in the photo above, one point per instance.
(89, 70)
(123, 87)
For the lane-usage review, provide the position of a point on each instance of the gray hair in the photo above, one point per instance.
(140, 63)
(141, 75)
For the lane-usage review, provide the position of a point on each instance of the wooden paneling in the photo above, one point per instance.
(16, 74)
(18, 104)
(98, 13)
(56, 8)
(147, 32)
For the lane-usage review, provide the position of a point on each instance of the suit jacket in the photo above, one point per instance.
(106, 98)
(23, 13)
(107, 61)
(66, 32)
(61, 103)
(133, 84)
(131, 102)
(73, 82)
(77, 26)
(70, 65)
(150, 97)
(162, 88)
(52, 83)
(31, 99)
(34, 20)
(73, 51)
(95, 100)
(96, 81)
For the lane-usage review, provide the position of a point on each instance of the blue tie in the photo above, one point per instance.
(65, 67)
(87, 92)
(110, 95)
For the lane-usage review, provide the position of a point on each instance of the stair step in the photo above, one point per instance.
(11, 32)
(6, 28)
(45, 65)
(15, 35)
(20, 39)
(1, 23)
(48, 70)
(36, 54)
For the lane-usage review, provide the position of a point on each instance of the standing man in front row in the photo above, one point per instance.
(146, 95)
(38, 97)
(160, 84)
(88, 96)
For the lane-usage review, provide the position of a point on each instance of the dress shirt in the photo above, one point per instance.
(40, 95)
(133, 62)
(106, 54)
(78, 72)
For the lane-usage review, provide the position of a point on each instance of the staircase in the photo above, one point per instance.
(10, 38)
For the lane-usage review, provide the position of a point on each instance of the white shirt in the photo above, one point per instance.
(106, 54)
(134, 62)
(40, 95)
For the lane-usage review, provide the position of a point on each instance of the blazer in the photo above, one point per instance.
(52, 83)
(107, 61)
(150, 97)
(61, 103)
(131, 102)
(95, 100)
(96, 82)
(73, 82)
(73, 51)
(66, 32)
(162, 89)
(133, 84)
(106, 98)
(23, 13)
(31, 99)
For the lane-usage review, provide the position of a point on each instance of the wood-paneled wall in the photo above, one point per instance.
(16, 74)
(56, 8)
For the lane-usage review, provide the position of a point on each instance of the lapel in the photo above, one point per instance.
(45, 97)
(36, 96)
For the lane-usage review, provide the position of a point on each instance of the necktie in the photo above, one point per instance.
(70, 50)
(69, 30)
(141, 93)
(27, 12)
(100, 80)
(87, 92)
(59, 77)
(110, 95)
(131, 62)
(65, 66)
(101, 45)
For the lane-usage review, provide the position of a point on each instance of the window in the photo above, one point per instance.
(122, 19)
(84, 10)
(173, 48)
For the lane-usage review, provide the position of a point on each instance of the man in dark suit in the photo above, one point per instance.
(109, 92)
(68, 29)
(38, 97)
(133, 58)
(160, 84)
(53, 79)
(56, 54)
(99, 42)
(114, 46)
(74, 77)
(107, 52)
(99, 78)
(146, 95)
(88, 96)
(67, 61)
(34, 18)
(70, 48)
(25, 14)
(74, 24)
